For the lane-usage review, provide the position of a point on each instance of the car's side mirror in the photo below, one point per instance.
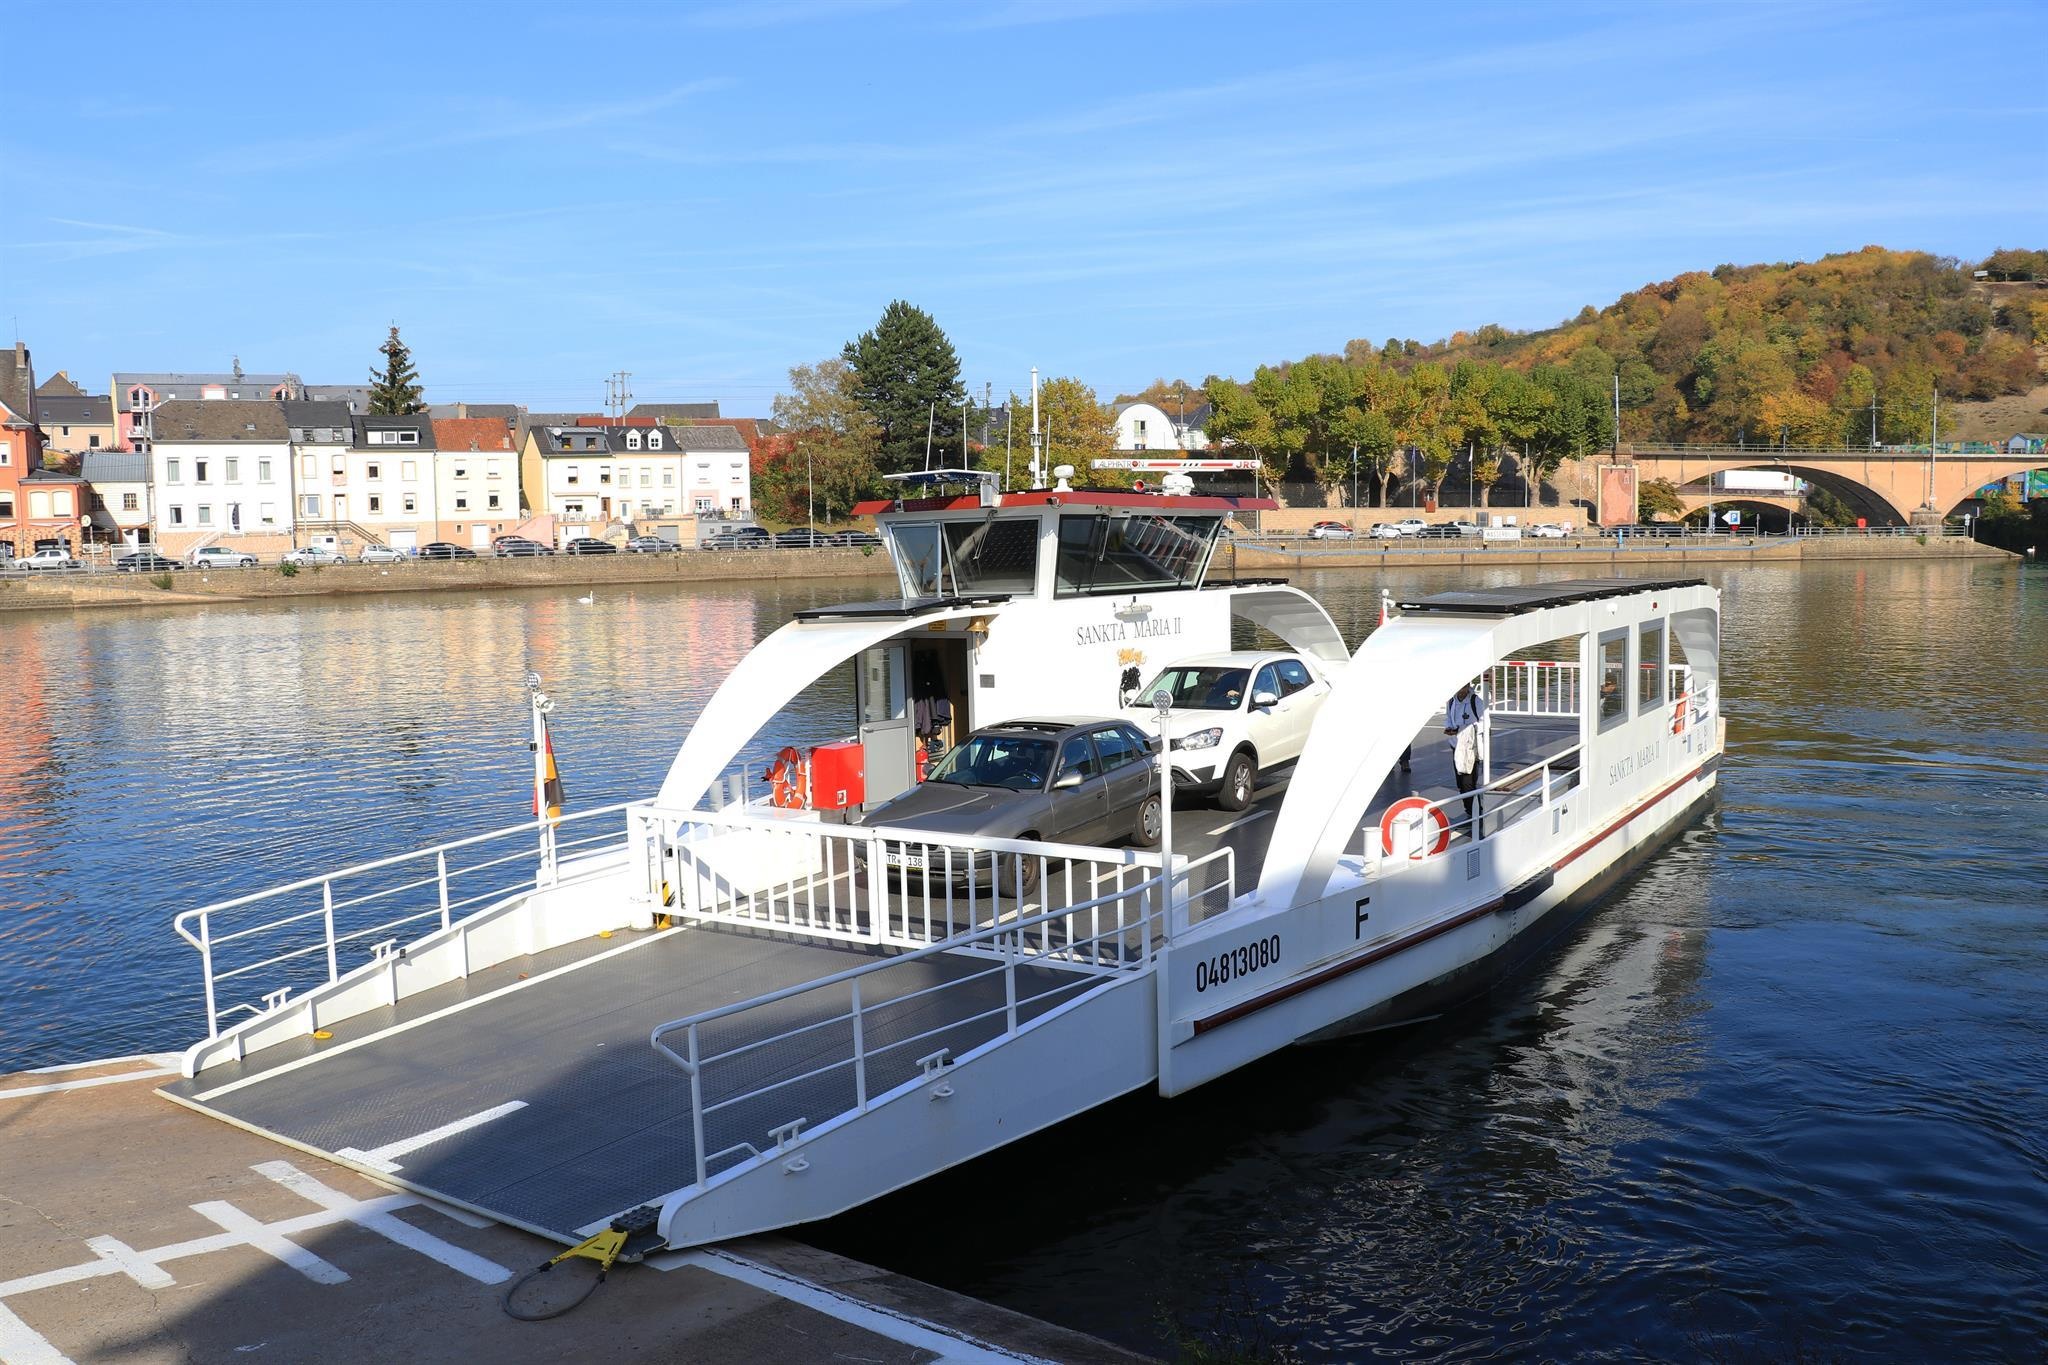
(1067, 780)
(1263, 699)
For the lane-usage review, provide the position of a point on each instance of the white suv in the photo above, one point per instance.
(46, 559)
(1235, 717)
(221, 557)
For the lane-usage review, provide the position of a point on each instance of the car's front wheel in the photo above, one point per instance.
(1018, 872)
(1239, 776)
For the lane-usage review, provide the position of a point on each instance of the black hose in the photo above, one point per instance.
(535, 1274)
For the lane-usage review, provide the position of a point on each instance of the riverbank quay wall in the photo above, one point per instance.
(267, 583)
(55, 592)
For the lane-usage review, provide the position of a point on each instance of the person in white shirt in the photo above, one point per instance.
(1462, 715)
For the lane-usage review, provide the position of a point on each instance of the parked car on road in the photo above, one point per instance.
(518, 547)
(1441, 531)
(801, 538)
(312, 556)
(650, 545)
(381, 554)
(222, 557)
(47, 559)
(1411, 526)
(1465, 528)
(744, 538)
(867, 538)
(1549, 530)
(589, 545)
(146, 561)
(1063, 780)
(1331, 530)
(442, 549)
(1385, 530)
(1235, 718)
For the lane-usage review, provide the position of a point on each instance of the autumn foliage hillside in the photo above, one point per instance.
(1793, 352)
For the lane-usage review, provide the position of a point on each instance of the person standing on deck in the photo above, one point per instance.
(1462, 715)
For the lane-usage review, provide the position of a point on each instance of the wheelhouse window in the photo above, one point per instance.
(993, 555)
(1107, 553)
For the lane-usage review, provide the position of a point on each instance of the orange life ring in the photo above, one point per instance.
(1678, 718)
(1403, 807)
(789, 780)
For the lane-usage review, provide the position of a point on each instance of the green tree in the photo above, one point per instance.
(1078, 427)
(1658, 498)
(831, 446)
(397, 391)
(906, 376)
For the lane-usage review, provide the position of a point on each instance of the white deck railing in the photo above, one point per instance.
(313, 931)
(1534, 687)
(832, 1055)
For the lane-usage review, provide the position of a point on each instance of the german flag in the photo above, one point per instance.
(551, 786)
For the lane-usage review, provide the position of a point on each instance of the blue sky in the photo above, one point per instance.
(540, 195)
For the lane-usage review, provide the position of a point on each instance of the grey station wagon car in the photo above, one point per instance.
(1069, 780)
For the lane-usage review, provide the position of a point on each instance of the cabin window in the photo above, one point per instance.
(997, 555)
(1613, 701)
(1650, 665)
(1106, 553)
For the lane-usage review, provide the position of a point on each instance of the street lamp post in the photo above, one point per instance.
(1354, 488)
(810, 493)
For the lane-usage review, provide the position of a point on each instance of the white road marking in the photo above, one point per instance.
(366, 1214)
(87, 1082)
(21, 1344)
(1241, 820)
(270, 1240)
(169, 1059)
(130, 1262)
(429, 1018)
(946, 1344)
(380, 1158)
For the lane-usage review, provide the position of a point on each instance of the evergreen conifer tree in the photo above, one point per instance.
(901, 370)
(396, 391)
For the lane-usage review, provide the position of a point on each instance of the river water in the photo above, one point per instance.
(1784, 1094)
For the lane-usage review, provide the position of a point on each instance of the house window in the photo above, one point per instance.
(6, 504)
(654, 440)
(263, 471)
(63, 431)
(307, 466)
(604, 474)
(234, 469)
(376, 503)
(491, 502)
(408, 438)
(647, 478)
(573, 476)
(170, 469)
(373, 471)
(461, 503)
(703, 506)
(632, 438)
(735, 504)
(39, 505)
(309, 505)
(267, 512)
(340, 465)
(130, 503)
(205, 515)
(62, 498)
(199, 471)
(92, 443)
(461, 471)
(177, 516)
(412, 503)
(668, 478)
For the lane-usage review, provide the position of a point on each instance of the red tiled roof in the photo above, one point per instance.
(465, 433)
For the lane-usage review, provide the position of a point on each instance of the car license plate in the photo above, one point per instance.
(912, 861)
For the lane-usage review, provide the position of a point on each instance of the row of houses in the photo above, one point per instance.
(267, 462)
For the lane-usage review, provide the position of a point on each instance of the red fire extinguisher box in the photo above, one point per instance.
(838, 775)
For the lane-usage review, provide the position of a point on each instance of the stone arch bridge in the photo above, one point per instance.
(1890, 486)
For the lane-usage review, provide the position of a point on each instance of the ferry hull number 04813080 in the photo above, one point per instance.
(1236, 962)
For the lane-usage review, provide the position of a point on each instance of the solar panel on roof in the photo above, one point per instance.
(1513, 601)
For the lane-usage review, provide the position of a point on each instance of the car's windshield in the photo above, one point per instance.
(997, 761)
(1203, 687)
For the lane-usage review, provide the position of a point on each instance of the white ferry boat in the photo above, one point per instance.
(702, 1004)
